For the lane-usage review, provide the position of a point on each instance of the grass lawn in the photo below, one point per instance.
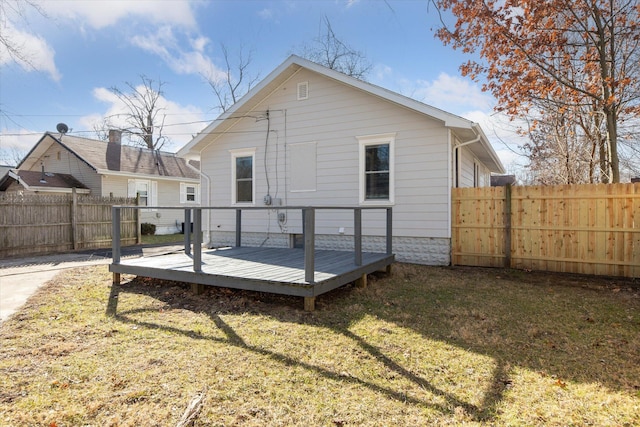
(150, 239)
(424, 346)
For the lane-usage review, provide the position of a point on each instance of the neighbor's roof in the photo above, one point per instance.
(34, 181)
(465, 129)
(113, 158)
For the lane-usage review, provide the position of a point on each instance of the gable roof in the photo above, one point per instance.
(465, 129)
(114, 158)
(34, 181)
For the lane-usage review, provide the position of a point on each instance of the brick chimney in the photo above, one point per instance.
(115, 136)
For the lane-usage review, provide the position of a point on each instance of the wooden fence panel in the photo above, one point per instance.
(36, 224)
(589, 229)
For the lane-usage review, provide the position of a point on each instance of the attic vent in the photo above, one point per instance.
(303, 91)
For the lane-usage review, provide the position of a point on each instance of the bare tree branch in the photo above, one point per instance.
(330, 51)
(145, 117)
(236, 80)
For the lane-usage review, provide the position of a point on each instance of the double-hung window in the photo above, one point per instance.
(189, 193)
(243, 173)
(145, 190)
(376, 169)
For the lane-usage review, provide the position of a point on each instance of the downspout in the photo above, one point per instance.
(207, 227)
(456, 149)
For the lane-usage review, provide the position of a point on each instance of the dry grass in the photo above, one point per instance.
(425, 346)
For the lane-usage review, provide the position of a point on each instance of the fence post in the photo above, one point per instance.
(309, 215)
(238, 228)
(74, 218)
(197, 240)
(357, 234)
(115, 234)
(187, 231)
(389, 231)
(138, 221)
(507, 226)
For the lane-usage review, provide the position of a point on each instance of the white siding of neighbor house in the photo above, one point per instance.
(331, 118)
(167, 221)
(58, 159)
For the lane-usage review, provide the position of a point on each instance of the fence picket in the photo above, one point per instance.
(31, 224)
(590, 229)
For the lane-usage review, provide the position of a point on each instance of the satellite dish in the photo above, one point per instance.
(62, 128)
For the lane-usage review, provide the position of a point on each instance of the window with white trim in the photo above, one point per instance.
(242, 179)
(145, 190)
(189, 193)
(376, 169)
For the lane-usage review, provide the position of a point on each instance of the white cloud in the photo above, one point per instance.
(34, 53)
(453, 94)
(266, 14)
(181, 122)
(100, 14)
(166, 45)
(14, 144)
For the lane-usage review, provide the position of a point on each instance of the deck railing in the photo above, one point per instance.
(308, 230)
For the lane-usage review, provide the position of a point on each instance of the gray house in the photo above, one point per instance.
(60, 162)
(310, 136)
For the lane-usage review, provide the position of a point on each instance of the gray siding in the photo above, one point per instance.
(57, 159)
(333, 117)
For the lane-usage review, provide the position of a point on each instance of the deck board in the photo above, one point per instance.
(276, 270)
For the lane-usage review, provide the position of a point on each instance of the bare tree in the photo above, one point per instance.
(234, 82)
(10, 12)
(145, 118)
(581, 52)
(12, 156)
(328, 50)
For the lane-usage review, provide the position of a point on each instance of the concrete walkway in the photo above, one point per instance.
(21, 277)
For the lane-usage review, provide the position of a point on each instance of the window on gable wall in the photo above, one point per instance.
(243, 167)
(376, 169)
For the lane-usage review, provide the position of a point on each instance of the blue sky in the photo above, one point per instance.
(79, 49)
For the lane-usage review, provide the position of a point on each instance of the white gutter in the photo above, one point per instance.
(147, 176)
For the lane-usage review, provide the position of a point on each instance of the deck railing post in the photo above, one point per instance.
(238, 228)
(187, 231)
(309, 227)
(115, 234)
(197, 240)
(389, 231)
(357, 234)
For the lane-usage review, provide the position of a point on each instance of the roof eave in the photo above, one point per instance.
(137, 175)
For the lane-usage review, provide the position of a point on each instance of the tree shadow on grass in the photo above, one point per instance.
(483, 311)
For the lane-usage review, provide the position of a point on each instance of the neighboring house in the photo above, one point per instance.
(310, 136)
(60, 162)
(26, 181)
(4, 169)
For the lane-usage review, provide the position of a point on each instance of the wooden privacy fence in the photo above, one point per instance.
(33, 224)
(588, 229)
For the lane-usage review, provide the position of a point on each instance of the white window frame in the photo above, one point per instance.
(364, 142)
(152, 191)
(246, 152)
(184, 193)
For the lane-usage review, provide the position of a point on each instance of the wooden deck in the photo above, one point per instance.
(275, 270)
(299, 272)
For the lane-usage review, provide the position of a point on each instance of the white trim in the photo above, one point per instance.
(152, 192)
(363, 142)
(184, 194)
(243, 152)
(106, 172)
